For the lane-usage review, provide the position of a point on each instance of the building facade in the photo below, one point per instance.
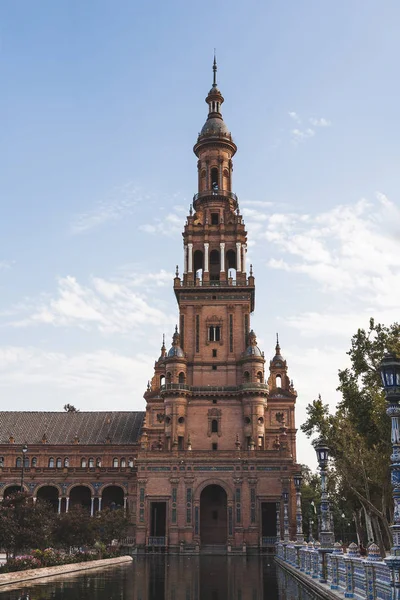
(211, 460)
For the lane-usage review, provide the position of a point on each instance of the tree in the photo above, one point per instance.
(111, 525)
(24, 524)
(74, 529)
(70, 408)
(358, 433)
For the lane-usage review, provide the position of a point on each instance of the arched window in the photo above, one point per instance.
(168, 377)
(214, 426)
(162, 380)
(115, 463)
(182, 377)
(26, 462)
(34, 462)
(278, 381)
(58, 463)
(18, 462)
(1, 461)
(246, 376)
(83, 463)
(51, 463)
(98, 462)
(130, 462)
(66, 461)
(91, 463)
(214, 179)
(123, 462)
(259, 377)
(231, 259)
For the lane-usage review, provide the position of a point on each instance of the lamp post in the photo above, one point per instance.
(326, 536)
(299, 517)
(24, 451)
(390, 373)
(285, 497)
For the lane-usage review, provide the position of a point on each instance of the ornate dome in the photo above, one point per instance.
(175, 349)
(253, 349)
(215, 126)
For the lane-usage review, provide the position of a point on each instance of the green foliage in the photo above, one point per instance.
(111, 525)
(358, 434)
(24, 524)
(74, 529)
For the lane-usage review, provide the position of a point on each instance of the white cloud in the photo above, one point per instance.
(170, 226)
(320, 122)
(107, 306)
(120, 203)
(302, 134)
(6, 264)
(293, 115)
(89, 380)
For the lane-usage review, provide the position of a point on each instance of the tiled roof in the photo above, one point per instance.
(63, 427)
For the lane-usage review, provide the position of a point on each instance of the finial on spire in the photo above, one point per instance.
(177, 271)
(277, 339)
(215, 70)
(277, 347)
(163, 339)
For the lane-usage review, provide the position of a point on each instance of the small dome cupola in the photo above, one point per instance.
(215, 125)
(278, 356)
(176, 349)
(253, 349)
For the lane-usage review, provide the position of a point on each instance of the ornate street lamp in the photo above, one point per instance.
(297, 478)
(326, 536)
(390, 373)
(285, 498)
(24, 451)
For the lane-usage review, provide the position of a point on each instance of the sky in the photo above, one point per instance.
(101, 104)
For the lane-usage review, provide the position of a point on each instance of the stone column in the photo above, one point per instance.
(206, 246)
(92, 506)
(222, 252)
(190, 258)
(59, 505)
(99, 503)
(66, 504)
(238, 257)
(125, 502)
(244, 248)
(185, 259)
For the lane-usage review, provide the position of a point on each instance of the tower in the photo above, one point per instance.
(208, 404)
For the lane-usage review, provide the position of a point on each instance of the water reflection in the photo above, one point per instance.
(173, 578)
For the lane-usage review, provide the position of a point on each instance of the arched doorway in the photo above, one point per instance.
(213, 515)
(49, 494)
(80, 496)
(112, 497)
(11, 489)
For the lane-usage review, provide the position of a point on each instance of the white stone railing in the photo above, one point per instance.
(349, 574)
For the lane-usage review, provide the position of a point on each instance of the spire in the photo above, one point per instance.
(277, 347)
(215, 71)
(163, 348)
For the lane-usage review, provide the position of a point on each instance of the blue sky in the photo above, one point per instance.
(101, 104)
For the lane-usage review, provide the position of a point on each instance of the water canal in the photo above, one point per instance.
(163, 577)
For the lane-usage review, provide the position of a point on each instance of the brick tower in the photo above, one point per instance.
(218, 445)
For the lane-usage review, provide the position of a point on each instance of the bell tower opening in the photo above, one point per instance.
(214, 265)
(214, 178)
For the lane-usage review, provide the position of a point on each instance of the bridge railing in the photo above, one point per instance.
(347, 572)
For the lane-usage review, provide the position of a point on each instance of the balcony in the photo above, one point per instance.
(214, 388)
(214, 194)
